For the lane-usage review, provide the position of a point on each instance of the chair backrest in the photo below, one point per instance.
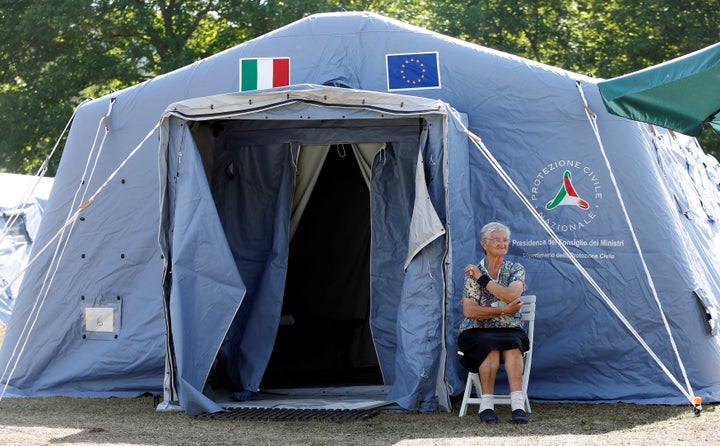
(528, 309)
(528, 314)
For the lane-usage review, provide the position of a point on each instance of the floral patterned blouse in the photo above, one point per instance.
(509, 272)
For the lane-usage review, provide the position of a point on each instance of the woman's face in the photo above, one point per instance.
(497, 244)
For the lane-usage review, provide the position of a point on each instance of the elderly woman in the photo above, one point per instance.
(492, 331)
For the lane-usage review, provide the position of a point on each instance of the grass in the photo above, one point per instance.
(134, 421)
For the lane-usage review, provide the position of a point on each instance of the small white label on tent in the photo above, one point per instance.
(99, 319)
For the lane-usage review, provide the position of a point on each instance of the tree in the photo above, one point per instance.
(55, 54)
(623, 36)
(542, 30)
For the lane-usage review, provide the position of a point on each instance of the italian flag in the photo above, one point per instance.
(266, 72)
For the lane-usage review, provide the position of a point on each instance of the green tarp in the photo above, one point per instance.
(681, 94)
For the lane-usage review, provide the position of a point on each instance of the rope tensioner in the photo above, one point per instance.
(85, 205)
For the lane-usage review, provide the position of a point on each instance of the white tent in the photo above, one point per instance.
(267, 276)
(22, 201)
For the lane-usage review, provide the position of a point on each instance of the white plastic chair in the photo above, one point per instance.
(473, 380)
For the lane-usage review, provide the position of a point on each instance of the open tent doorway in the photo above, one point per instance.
(318, 208)
(295, 195)
(324, 337)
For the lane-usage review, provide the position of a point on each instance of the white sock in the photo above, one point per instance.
(487, 401)
(516, 400)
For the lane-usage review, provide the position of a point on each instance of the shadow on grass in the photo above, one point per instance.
(559, 420)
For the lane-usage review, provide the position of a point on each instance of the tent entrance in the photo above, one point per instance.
(294, 202)
(324, 337)
(259, 256)
(293, 198)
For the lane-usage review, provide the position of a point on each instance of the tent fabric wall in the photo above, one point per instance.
(199, 287)
(632, 239)
(305, 184)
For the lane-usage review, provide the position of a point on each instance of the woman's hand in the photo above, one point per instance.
(514, 306)
(472, 270)
(477, 274)
(473, 310)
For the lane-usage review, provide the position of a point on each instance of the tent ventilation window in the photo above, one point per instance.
(707, 312)
(14, 227)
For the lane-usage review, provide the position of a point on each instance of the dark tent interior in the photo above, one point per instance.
(324, 337)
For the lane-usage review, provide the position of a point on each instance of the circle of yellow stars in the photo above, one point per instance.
(419, 64)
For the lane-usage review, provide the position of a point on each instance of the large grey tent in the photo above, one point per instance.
(307, 214)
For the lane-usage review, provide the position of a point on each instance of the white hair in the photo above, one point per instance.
(492, 227)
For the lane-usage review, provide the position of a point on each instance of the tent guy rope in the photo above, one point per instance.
(58, 253)
(477, 141)
(42, 170)
(70, 221)
(592, 119)
(73, 202)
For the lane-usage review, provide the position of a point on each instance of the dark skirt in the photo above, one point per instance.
(477, 343)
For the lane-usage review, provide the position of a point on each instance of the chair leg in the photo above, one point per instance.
(472, 383)
(466, 396)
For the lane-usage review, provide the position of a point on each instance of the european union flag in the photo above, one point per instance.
(411, 71)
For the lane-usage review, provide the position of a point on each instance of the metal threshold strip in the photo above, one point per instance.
(327, 404)
(274, 414)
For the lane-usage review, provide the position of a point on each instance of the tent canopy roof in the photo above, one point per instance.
(681, 94)
(228, 105)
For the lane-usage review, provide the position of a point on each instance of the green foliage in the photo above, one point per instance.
(542, 30)
(55, 54)
(623, 36)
